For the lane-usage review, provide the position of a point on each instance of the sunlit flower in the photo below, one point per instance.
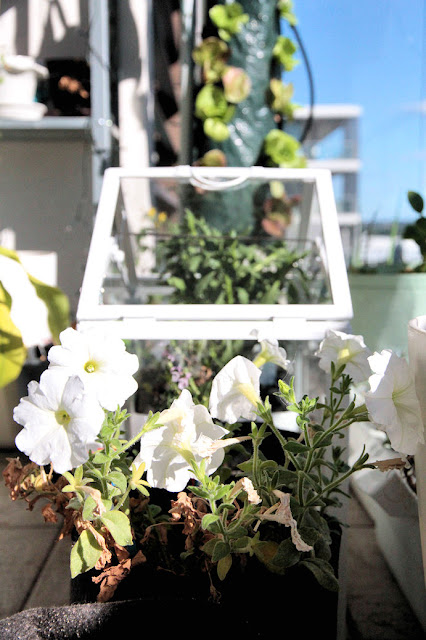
(235, 391)
(101, 362)
(281, 513)
(60, 420)
(168, 450)
(270, 352)
(345, 349)
(392, 402)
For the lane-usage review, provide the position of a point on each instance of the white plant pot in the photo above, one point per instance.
(19, 76)
(393, 507)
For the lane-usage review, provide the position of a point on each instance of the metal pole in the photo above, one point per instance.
(100, 98)
(186, 82)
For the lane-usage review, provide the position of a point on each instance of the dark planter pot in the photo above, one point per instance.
(253, 602)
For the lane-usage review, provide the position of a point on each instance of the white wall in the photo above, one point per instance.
(45, 196)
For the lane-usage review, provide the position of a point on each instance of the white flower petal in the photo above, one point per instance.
(101, 362)
(60, 421)
(235, 391)
(167, 450)
(392, 402)
(345, 349)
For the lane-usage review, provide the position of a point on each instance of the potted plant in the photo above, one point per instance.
(395, 290)
(201, 265)
(19, 76)
(32, 315)
(241, 104)
(191, 514)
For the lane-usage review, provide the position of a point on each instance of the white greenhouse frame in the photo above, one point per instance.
(209, 321)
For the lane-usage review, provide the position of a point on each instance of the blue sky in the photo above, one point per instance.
(373, 53)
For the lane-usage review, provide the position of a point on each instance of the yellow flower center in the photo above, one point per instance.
(344, 355)
(248, 390)
(91, 366)
(62, 417)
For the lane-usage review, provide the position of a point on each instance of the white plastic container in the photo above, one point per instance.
(19, 76)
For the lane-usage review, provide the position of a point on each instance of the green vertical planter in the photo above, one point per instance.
(383, 304)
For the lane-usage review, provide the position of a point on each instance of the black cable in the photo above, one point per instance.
(310, 118)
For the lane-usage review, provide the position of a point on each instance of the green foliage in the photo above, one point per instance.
(281, 98)
(211, 54)
(285, 8)
(58, 308)
(417, 230)
(211, 103)
(227, 518)
(206, 267)
(284, 51)
(283, 150)
(12, 350)
(228, 18)
(233, 84)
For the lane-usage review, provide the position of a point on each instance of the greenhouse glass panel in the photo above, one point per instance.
(216, 253)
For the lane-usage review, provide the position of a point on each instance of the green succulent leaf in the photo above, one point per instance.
(228, 18)
(236, 83)
(216, 129)
(285, 8)
(283, 149)
(211, 102)
(284, 51)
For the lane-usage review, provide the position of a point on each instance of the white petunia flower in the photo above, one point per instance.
(101, 362)
(392, 402)
(345, 349)
(167, 451)
(270, 351)
(235, 391)
(60, 421)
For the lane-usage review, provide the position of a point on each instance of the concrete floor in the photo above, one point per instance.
(34, 571)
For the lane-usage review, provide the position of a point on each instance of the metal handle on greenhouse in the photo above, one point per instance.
(216, 185)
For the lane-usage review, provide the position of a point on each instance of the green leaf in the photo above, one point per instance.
(89, 506)
(416, 201)
(287, 555)
(178, 283)
(323, 572)
(223, 566)
(216, 129)
(265, 551)
(208, 548)
(58, 306)
(12, 350)
(100, 457)
(118, 525)
(228, 19)
(209, 519)
(295, 447)
(210, 102)
(84, 554)
(118, 479)
(221, 550)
